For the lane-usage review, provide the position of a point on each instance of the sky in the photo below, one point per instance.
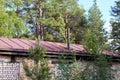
(104, 6)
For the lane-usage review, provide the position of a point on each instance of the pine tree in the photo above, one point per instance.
(95, 28)
(10, 24)
(94, 46)
(49, 19)
(95, 21)
(54, 20)
(115, 23)
(40, 69)
(77, 23)
(29, 11)
(100, 68)
(63, 14)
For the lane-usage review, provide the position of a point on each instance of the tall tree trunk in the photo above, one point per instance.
(39, 26)
(67, 31)
(37, 30)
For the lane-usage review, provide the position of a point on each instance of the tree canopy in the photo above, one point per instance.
(10, 24)
(49, 19)
(95, 21)
(115, 23)
(46, 18)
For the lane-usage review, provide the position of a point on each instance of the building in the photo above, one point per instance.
(13, 51)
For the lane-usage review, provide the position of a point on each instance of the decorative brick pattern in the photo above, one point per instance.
(9, 71)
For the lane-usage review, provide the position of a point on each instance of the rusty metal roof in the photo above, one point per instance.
(23, 45)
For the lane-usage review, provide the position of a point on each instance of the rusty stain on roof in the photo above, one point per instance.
(22, 45)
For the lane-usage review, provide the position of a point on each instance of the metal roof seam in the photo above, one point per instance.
(6, 43)
(24, 42)
(31, 42)
(16, 43)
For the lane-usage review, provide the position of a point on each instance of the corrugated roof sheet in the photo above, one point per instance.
(22, 45)
(15, 44)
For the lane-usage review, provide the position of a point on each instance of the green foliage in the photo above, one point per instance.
(64, 70)
(94, 45)
(91, 43)
(39, 69)
(77, 24)
(48, 18)
(38, 53)
(99, 69)
(95, 16)
(76, 20)
(44, 18)
(94, 40)
(40, 72)
(102, 65)
(10, 24)
(115, 23)
(95, 21)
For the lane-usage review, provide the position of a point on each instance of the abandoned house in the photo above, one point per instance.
(13, 51)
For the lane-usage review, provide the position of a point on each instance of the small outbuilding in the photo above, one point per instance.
(13, 51)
